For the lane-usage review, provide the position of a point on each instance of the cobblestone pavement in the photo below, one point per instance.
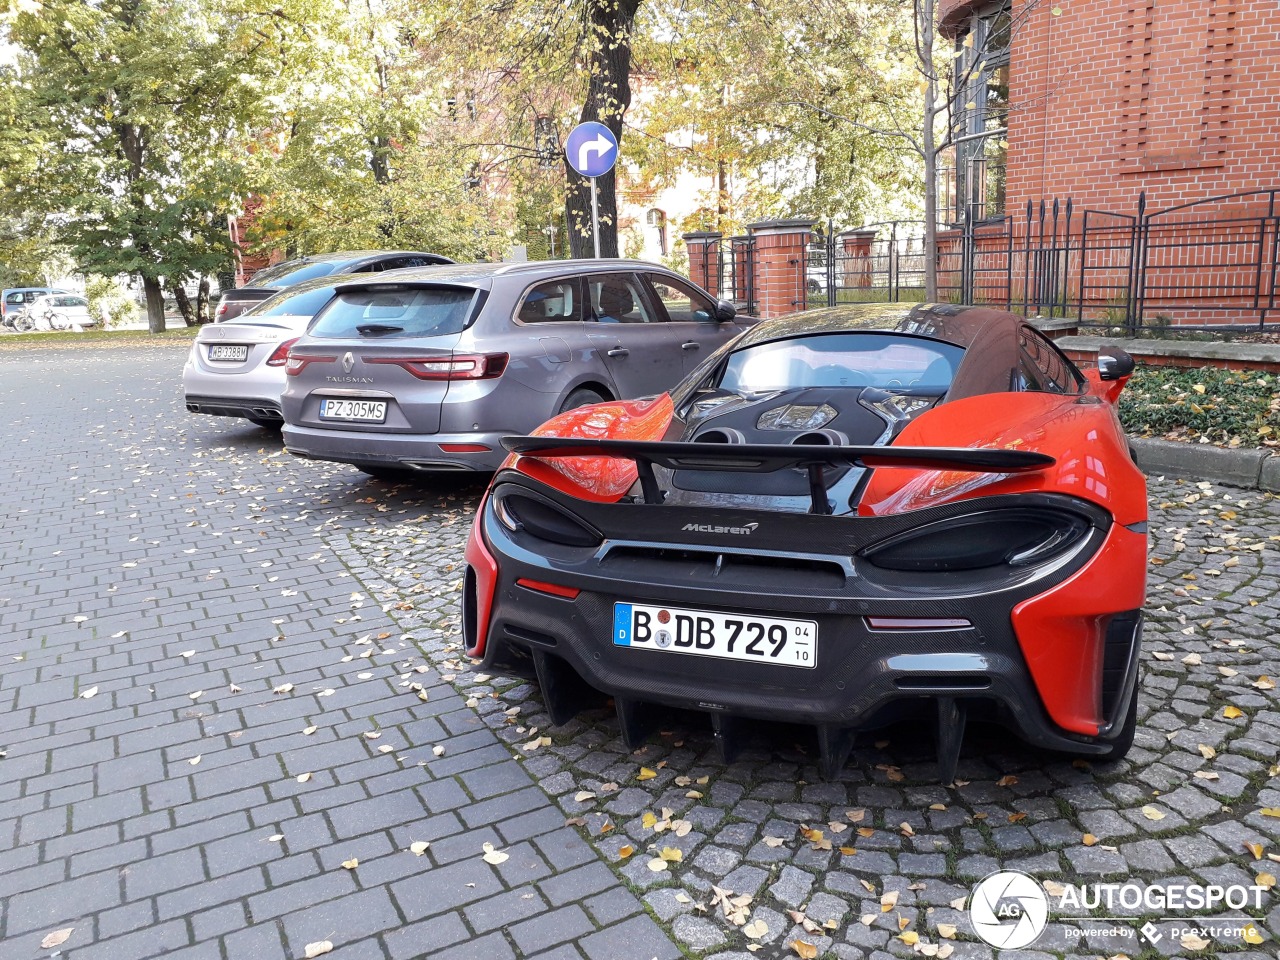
(205, 719)
(106, 826)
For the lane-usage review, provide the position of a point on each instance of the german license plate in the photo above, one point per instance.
(370, 411)
(731, 636)
(229, 351)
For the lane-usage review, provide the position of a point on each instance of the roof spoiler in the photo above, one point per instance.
(769, 457)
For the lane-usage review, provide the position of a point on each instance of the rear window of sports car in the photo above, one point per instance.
(841, 360)
(396, 312)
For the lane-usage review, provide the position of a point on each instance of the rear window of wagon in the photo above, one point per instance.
(393, 312)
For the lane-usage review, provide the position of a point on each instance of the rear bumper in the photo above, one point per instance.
(257, 408)
(397, 450)
(863, 678)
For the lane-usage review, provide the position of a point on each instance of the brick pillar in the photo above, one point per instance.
(779, 264)
(740, 267)
(704, 260)
(855, 264)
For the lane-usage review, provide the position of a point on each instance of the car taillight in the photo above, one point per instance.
(485, 366)
(280, 356)
(222, 309)
(1013, 536)
(295, 365)
(543, 520)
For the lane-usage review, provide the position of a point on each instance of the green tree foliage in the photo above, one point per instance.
(131, 119)
(370, 146)
(744, 95)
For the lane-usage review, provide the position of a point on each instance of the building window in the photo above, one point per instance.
(982, 113)
(657, 218)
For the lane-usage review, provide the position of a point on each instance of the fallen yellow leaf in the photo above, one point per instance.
(910, 938)
(646, 774)
(351, 864)
(947, 931)
(804, 949)
(1255, 848)
(56, 939)
(493, 856)
(418, 847)
(1251, 934)
(1089, 840)
(1153, 813)
(1265, 880)
(313, 950)
(625, 851)
(1232, 712)
(671, 854)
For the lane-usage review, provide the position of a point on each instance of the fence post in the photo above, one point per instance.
(778, 264)
(704, 253)
(966, 257)
(1066, 261)
(893, 262)
(1026, 261)
(1137, 270)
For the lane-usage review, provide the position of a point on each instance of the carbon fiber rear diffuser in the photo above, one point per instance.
(566, 694)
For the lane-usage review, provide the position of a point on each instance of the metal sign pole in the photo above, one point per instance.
(595, 218)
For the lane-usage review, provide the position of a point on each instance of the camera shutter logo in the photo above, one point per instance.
(1009, 910)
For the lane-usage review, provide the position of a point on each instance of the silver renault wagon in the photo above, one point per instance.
(429, 370)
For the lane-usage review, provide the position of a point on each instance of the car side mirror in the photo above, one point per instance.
(725, 311)
(1114, 364)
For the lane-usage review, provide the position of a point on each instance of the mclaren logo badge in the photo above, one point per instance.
(348, 361)
(709, 528)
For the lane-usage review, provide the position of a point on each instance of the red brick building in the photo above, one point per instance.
(1100, 100)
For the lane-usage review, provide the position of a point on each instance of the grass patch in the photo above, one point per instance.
(1226, 408)
(69, 338)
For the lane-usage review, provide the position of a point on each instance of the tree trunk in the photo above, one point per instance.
(608, 97)
(925, 23)
(184, 305)
(155, 304)
(202, 302)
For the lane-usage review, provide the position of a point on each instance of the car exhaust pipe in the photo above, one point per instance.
(721, 435)
(821, 438)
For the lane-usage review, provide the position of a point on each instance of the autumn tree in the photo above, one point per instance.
(369, 148)
(130, 128)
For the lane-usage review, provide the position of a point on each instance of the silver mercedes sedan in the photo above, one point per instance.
(428, 370)
(236, 369)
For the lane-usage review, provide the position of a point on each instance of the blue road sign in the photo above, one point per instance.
(591, 149)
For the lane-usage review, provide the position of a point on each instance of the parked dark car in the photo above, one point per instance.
(430, 369)
(273, 279)
(832, 526)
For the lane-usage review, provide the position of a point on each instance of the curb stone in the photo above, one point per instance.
(1251, 469)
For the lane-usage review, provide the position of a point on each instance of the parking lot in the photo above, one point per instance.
(233, 709)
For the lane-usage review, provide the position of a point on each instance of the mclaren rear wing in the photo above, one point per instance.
(768, 457)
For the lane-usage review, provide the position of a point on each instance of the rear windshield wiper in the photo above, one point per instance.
(370, 328)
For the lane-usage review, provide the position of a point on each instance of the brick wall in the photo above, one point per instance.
(1180, 98)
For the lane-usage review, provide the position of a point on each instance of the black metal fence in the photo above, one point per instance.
(1205, 264)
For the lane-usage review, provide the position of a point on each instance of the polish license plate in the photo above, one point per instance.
(229, 351)
(730, 636)
(370, 411)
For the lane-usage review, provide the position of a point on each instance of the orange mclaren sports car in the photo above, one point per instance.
(832, 526)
